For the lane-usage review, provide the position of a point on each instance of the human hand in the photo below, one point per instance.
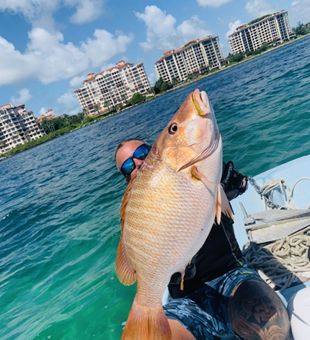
(233, 183)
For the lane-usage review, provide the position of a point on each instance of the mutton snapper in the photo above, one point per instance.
(168, 211)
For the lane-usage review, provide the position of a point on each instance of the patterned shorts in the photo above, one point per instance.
(205, 311)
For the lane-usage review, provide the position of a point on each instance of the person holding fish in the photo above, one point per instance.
(177, 231)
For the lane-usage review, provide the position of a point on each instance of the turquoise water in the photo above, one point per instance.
(59, 202)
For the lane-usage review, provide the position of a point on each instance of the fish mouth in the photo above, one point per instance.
(204, 109)
(201, 103)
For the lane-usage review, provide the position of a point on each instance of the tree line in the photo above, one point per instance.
(302, 29)
(64, 121)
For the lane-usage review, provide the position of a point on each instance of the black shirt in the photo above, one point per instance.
(220, 252)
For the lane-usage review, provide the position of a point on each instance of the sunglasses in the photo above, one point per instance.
(129, 165)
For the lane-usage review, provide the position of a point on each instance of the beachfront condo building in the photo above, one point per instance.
(267, 29)
(196, 56)
(112, 87)
(17, 126)
(48, 115)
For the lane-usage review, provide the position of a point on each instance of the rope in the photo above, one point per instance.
(282, 263)
(292, 192)
(266, 192)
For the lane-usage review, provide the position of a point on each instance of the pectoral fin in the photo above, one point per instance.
(222, 205)
(124, 271)
(197, 175)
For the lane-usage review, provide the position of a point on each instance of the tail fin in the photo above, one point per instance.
(146, 324)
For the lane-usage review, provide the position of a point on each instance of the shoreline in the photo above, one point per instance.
(237, 63)
(58, 133)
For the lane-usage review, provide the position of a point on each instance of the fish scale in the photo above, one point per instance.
(169, 219)
(168, 210)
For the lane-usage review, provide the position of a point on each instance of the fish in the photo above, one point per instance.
(168, 210)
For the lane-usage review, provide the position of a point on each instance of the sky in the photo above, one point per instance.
(47, 47)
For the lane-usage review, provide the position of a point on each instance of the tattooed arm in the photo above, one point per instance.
(256, 312)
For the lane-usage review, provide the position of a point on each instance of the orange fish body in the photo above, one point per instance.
(168, 211)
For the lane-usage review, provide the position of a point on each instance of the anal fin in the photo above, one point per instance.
(124, 271)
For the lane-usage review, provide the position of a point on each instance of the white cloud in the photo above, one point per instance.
(77, 81)
(104, 46)
(160, 28)
(29, 8)
(232, 27)
(23, 96)
(48, 58)
(42, 110)
(257, 8)
(13, 64)
(38, 12)
(299, 12)
(69, 103)
(86, 10)
(192, 28)
(41, 12)
(212, 3)
(55, 59)
(162, 31)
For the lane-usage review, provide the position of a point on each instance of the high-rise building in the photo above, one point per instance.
(112, 87)
(17, 126)
(267, 29)
(197, 55)
(48, 115)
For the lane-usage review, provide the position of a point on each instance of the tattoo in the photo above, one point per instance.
(256, 312)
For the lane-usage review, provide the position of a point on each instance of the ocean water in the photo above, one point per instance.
(59, 202)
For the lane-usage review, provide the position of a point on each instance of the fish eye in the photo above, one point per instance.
(173, 128)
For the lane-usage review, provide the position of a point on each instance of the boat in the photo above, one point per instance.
(272, 227)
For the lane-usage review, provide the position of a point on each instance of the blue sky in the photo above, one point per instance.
(47, 47)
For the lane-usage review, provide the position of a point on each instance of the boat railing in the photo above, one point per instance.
(279, 236)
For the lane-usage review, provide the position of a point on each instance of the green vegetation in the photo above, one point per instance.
(259, 50)
(57, 127)
(193, 76)
(235, 58)
(161, 86)
(66, 121)
(302, 29)
(136, 98)
(175, 81)
(32, 143)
